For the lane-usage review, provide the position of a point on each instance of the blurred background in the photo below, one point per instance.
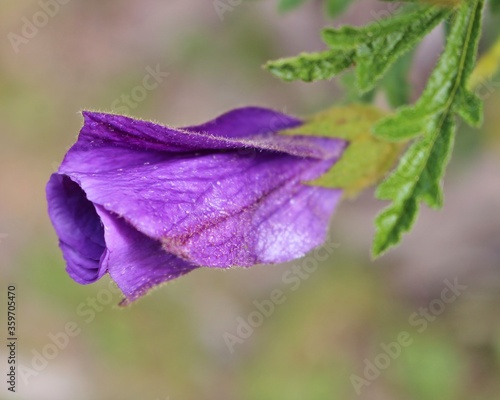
(173, 344)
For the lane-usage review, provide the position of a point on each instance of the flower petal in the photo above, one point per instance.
(81, 269)
(259, 127)
(232, 203)
(246, 121)
(134, 261)
(81, 235)
(108, 130)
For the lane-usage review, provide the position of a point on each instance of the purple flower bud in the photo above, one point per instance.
(148, 203)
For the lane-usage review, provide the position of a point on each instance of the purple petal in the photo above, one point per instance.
(247, 121)
(78, 227)
(220, 209)
(81, 269)
(261, 126)
(108, 130)
(135, 262)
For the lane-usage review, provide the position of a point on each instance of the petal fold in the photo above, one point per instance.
(79, 228)
(135, 262)
(215, 210)
(245, 122)
(108, 130)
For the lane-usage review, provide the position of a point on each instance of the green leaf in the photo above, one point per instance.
(366, 160)
(287, 5)
(311, 66)
(336, 7)
(380, 44)
(416, 179)
(419, 173)
(447, 83)
(469, 107)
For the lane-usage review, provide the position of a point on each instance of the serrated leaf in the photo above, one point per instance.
(420, 171)
(310, 67)
(448, 79)
(380, 44)
(416, 179)
(407, 123)
(336, 7)
(470, 108)
(366, 160)
(287, 5)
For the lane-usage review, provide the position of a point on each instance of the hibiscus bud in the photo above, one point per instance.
(147, 203)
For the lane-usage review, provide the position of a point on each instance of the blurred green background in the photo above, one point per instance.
(170, 345)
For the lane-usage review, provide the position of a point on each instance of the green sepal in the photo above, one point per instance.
(366, 160)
